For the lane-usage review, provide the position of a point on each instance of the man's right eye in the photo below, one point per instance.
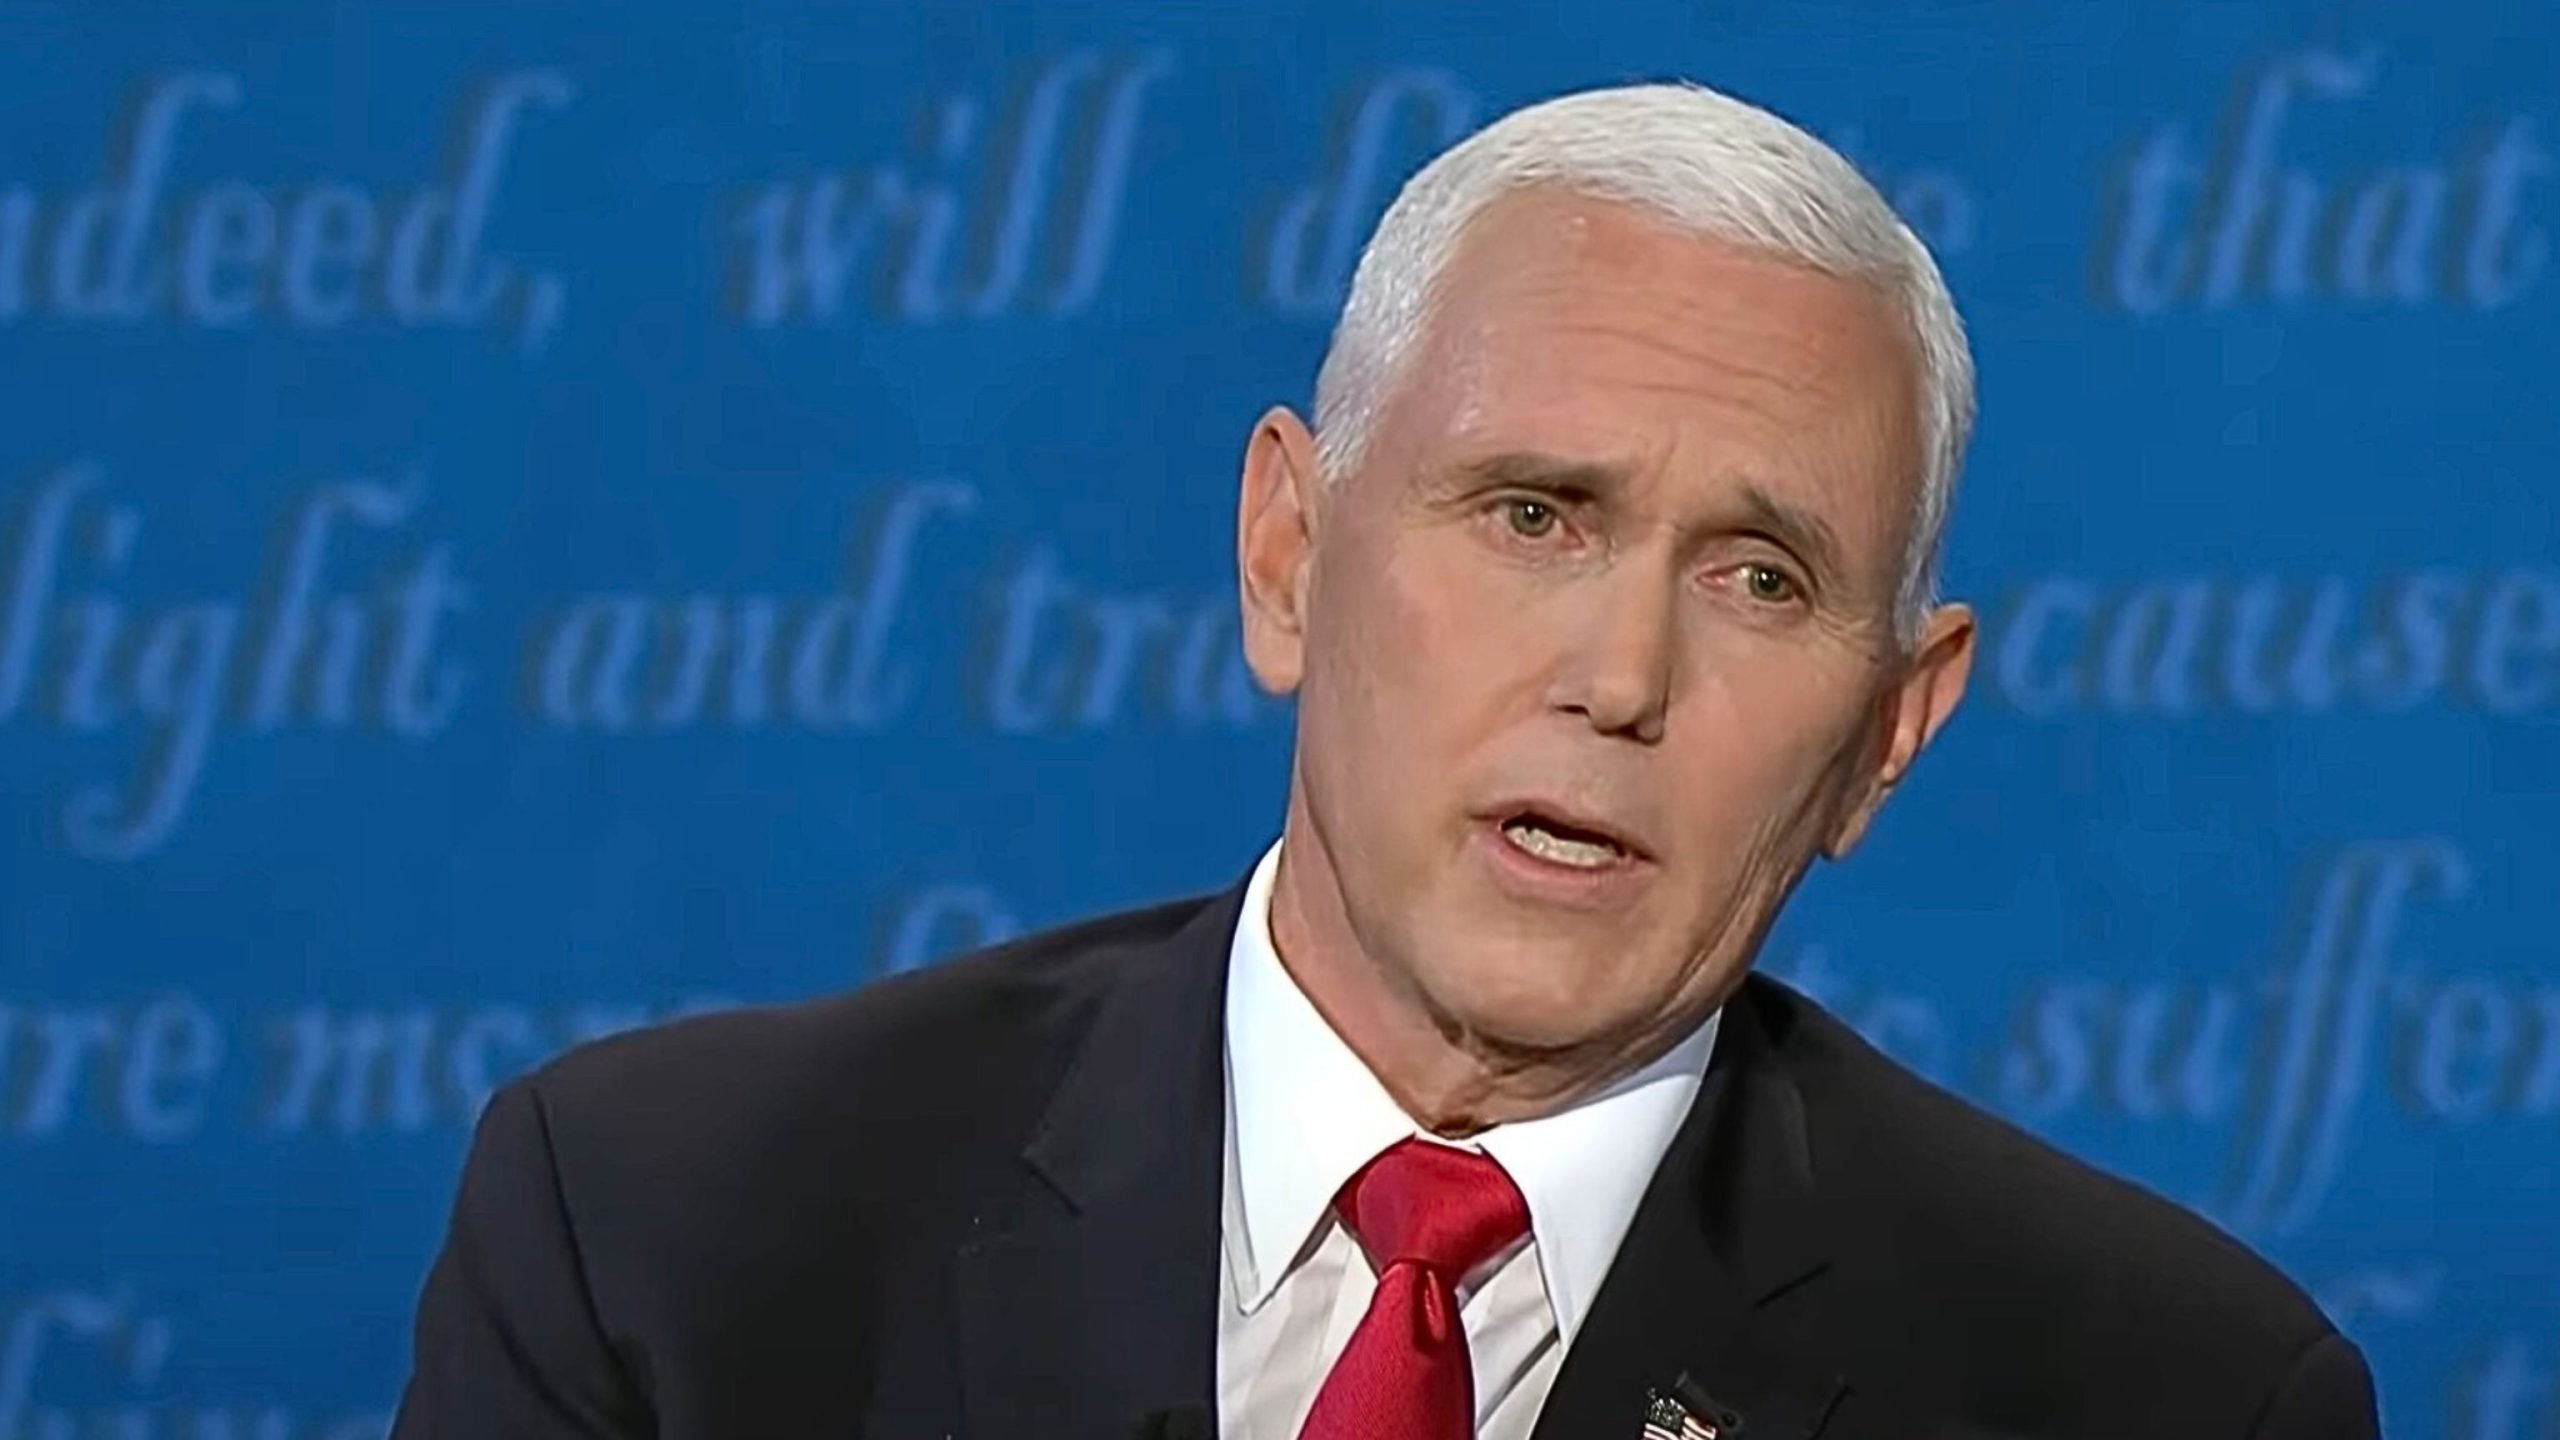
(1530, 519)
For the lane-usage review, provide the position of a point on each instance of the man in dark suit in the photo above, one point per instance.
(1605, 584)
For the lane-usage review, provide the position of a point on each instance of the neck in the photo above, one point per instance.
(1452, 1080)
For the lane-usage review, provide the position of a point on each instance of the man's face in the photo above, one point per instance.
(1595, 650)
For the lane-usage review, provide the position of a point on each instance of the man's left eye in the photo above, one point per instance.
(1769, 583)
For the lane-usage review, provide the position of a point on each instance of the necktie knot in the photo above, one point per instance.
(1445, 1209)
(1428, 1215)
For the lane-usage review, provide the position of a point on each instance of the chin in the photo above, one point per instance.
(1529, 1005)
(1543, 1032)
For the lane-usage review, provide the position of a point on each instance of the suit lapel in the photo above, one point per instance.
(1720, 1276)
(1093, 1300)
(1096, 1303)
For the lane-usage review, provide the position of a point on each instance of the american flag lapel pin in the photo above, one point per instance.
(1665, 1418)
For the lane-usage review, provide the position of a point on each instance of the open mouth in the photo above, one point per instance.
(1555, 840)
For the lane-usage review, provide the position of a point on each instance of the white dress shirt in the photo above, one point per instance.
(1303, 1113)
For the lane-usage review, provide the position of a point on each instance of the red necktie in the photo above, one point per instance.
(1428, 1215)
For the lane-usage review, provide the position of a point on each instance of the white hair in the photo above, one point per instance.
(1704, 162)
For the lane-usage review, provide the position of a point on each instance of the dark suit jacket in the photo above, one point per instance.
(983, 1200)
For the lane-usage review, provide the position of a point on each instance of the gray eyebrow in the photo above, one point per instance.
(1788, 523)
(1797, 528)
(1539, 471)
(1793, 526)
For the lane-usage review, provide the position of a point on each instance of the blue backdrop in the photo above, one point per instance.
(522, 520)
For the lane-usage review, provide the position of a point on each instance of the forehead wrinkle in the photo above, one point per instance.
(1770, 398)
(1464, 347)
(1730, 386)
(1693, 367)
(1708, 443)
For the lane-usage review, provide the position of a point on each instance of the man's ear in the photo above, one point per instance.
(1911, 712)
(1277, 510)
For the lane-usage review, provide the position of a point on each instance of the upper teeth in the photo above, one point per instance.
(1538, 840)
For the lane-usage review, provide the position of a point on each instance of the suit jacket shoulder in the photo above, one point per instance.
(2027, 1284)
(899, 1069)
(764, 1205)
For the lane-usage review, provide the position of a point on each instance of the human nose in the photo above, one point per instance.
(1618, 673)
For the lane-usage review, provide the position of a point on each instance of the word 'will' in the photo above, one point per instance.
(911, 241)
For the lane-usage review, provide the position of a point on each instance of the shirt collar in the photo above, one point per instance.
(1304, 1113)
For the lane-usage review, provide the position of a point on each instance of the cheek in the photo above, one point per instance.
(1358, 710)
(1405, 647)
(1769, 763)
